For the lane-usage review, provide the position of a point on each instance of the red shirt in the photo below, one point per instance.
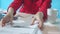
(32, 6)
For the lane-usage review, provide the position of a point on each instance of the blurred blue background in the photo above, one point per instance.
(5, 3)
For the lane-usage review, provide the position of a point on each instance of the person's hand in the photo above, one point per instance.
(8, 18)
(38, 17)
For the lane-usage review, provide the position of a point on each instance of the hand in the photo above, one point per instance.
(6, 19)
(38, 17)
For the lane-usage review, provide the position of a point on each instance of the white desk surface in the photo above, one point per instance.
(10, 30)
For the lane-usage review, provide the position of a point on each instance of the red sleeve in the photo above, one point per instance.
(45, 5)
(43, 8)
(15, 5)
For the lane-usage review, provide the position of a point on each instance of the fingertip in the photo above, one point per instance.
(3, 25)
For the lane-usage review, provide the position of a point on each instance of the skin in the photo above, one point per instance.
(39, 18)
(9, 18)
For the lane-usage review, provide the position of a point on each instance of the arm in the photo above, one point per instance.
(42, 13)
(43, 8)
(11, 10)
(15, 5)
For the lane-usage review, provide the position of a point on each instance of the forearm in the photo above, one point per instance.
(15, 5)
(10, 11)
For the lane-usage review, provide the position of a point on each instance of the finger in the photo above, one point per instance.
(40, 24)
(11, 21)
(40, 27)
(33, 20)
(3, 22)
